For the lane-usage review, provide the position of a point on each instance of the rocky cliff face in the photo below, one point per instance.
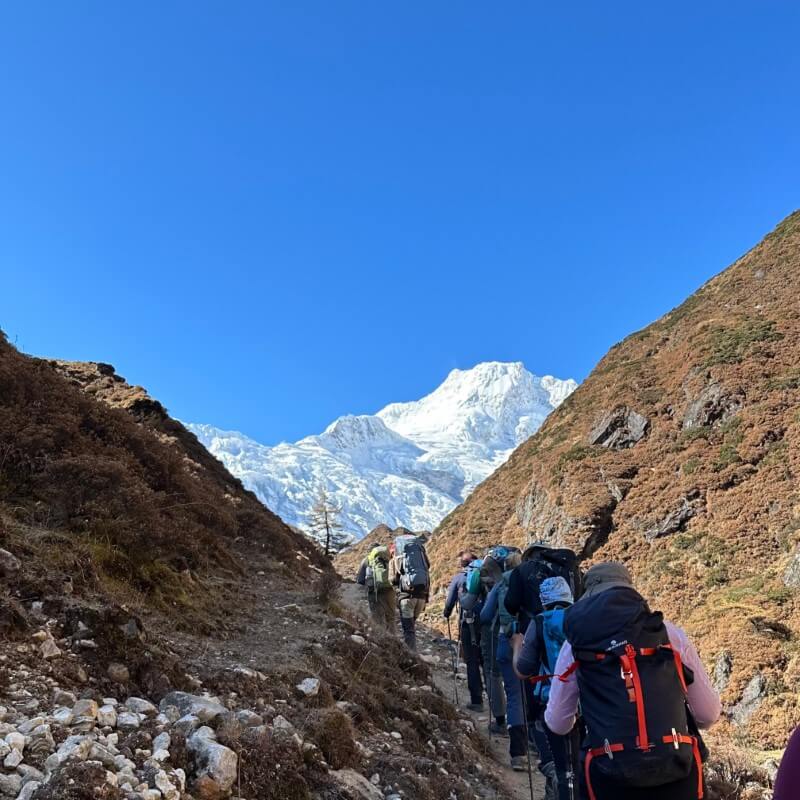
(680, 456)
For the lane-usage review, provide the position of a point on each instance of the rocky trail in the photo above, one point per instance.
(437, 650)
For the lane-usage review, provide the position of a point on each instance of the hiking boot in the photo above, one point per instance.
(519, 763)
(475, 706)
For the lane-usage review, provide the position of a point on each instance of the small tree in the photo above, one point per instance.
(323, 520)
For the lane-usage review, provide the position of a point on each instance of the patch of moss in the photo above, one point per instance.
(691, 466)
(728, 454)
(730, 345)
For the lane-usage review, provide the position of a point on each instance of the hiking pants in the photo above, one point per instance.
(410, 609)
(381, 607)
(685, 789)
(471, 645)
(511, 685)
(492, 675)
(560, 750)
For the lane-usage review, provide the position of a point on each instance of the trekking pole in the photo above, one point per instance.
(570, 766)
(523, 687)
(490, 680)
(454, 661)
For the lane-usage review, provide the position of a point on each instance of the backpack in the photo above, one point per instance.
(505, 619)
(549, 562)
(378, 568)
(550, 635)
(633, 689)
(413, 563)
(472, 588)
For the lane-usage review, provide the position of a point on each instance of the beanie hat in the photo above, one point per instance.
(555, 590)
(606, 575)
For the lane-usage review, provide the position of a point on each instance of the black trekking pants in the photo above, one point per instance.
(603, 789)
(471, 645)
(561, 747)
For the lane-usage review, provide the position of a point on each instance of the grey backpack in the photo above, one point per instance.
(413, 563)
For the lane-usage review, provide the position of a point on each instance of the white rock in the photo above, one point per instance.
(162, 741)
(356, 785)
(63, 716)
(141, 706)
(16, 741)
(216, 765)
(12, 760)
(165, 786)
(107, 716)
(309, 687)
(128, 721)
(28, 790)
(160, 755)
(206, 709)
(10, 785)
(358, 639)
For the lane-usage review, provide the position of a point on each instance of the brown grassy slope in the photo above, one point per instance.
(121, 508)
(705, 508)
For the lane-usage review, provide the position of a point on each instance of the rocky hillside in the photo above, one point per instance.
(163, 636)
(680, 455)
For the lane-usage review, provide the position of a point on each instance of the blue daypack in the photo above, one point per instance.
(550, 630)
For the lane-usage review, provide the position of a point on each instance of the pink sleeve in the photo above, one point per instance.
(703, 698)
(562, 707)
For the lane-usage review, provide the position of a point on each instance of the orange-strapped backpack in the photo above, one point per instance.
(632, 691)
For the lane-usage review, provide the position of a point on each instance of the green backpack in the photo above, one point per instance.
(378, 562)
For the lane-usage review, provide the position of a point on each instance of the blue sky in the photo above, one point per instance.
(271, 214)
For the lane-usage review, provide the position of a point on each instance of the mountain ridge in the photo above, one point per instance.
(407, 465)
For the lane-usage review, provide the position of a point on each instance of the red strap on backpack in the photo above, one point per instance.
(630, 674)
(563, 677)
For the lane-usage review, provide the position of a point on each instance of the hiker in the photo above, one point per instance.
(410, 573)
(643, 693)
(494, 565)
(469, 629)
(537, 656)
(373, 573)
(494, 611)
(788, 777)
(539, 562)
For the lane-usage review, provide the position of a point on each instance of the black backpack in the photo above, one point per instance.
(539, 563)
(632, 692)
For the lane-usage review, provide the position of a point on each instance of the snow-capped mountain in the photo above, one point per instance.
(408, 465)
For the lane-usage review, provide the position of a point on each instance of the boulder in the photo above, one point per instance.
(355, 786)
(9, 564)
(309, 687)
(752, 698)
(791, 576)
(619, 429)
(722, 671)
(712, 406)
(118, 673)
(206, 709)
(215, 765)
(141, 706)
(675, 520)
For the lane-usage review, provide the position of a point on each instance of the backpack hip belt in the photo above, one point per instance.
(674, 738)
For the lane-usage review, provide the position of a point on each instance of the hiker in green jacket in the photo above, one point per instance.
(374, 575)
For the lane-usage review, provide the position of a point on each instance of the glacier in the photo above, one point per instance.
(408, 465)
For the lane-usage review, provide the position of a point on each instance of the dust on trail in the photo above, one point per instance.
(430, 643)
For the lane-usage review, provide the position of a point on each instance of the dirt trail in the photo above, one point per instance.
(437, 652)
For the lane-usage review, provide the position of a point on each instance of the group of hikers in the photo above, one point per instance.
(577, 670)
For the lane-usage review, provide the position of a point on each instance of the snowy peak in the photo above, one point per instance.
(358, 433)
(408, 465)
(484, 404)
